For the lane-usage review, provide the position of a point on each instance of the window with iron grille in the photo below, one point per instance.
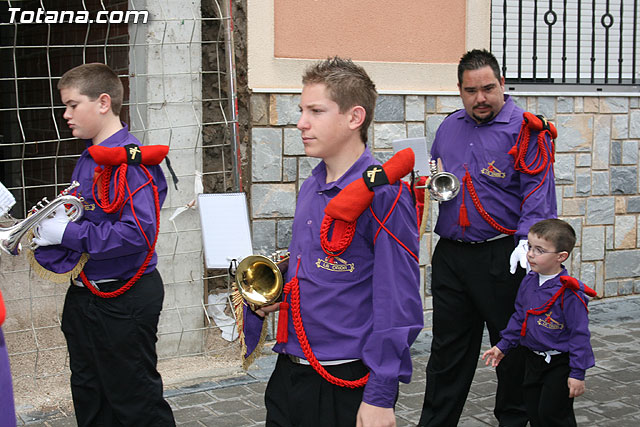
(37, 150)
(568, 42)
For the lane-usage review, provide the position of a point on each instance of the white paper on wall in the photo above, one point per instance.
(419, 147)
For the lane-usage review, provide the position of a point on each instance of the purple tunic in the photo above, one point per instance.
(483, 148)
(114, 242)
(564, 329)
(366, 303)
(7, 409)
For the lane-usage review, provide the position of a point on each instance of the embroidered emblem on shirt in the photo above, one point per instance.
(374, 176)
(549, 323)
(336, 264)
(493, 171)
(85, 205)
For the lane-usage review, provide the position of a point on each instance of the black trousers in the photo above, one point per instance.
(112, 355)
(546, 392)
(297, 395)
(471, 286)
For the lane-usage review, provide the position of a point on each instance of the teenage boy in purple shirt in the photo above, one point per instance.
(482, 240)
(552, 323)
(361, 310)
(111, 341)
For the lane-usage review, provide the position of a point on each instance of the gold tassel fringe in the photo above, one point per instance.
(52, 276)
(238, 305)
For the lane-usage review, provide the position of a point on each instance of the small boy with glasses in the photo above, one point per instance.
(551, 320)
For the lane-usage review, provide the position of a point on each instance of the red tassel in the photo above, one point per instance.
(523, 331)
(463, 217)
(283, 324)
(463, 220)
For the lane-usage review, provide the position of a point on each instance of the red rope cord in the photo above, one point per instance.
(476, 202)
(543, 159)
(104, 178)
(306, 347)
(546, 306)
(579, 297)
(383, 227)
(113, 208)
(133, 210)
(136, 190)
(335, 248)
(395, 202)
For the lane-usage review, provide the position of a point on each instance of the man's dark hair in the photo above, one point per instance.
(347, 85)
(476, 59)
(556, 231)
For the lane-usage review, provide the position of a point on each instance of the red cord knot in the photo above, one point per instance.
(287, 287)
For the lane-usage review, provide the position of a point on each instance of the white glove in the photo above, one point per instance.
(50, 230)
(519, 254)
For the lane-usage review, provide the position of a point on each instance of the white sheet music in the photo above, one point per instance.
(225, 228)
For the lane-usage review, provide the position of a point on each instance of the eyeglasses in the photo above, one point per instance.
(537, 250)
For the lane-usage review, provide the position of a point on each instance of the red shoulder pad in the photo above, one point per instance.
(349, 204)
(539, 123)
(113, 156)
(401, 164)
(572, 283)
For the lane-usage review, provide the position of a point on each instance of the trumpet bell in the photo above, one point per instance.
(444, 186)
(259, 280)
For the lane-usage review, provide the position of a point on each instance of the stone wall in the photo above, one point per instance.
(597, 173)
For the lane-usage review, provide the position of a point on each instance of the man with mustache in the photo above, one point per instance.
(483, 231)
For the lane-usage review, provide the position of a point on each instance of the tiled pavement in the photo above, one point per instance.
(612, 397)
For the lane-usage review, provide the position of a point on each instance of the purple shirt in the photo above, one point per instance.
(114, 242)
(564, 329)
(366, 305)
(483, 149)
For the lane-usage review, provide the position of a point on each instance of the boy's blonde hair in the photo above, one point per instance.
(92, 80)
(347, 85)
(556, 231)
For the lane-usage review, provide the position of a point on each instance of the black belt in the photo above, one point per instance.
(491, 239)
(302, 361)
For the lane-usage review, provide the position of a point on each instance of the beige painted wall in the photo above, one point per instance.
(274, 67)
(398, 31)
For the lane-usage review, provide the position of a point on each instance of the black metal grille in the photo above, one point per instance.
(567, 41)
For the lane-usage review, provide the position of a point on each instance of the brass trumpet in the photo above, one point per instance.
(259, 279)
(443, 185)
(10, 237)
